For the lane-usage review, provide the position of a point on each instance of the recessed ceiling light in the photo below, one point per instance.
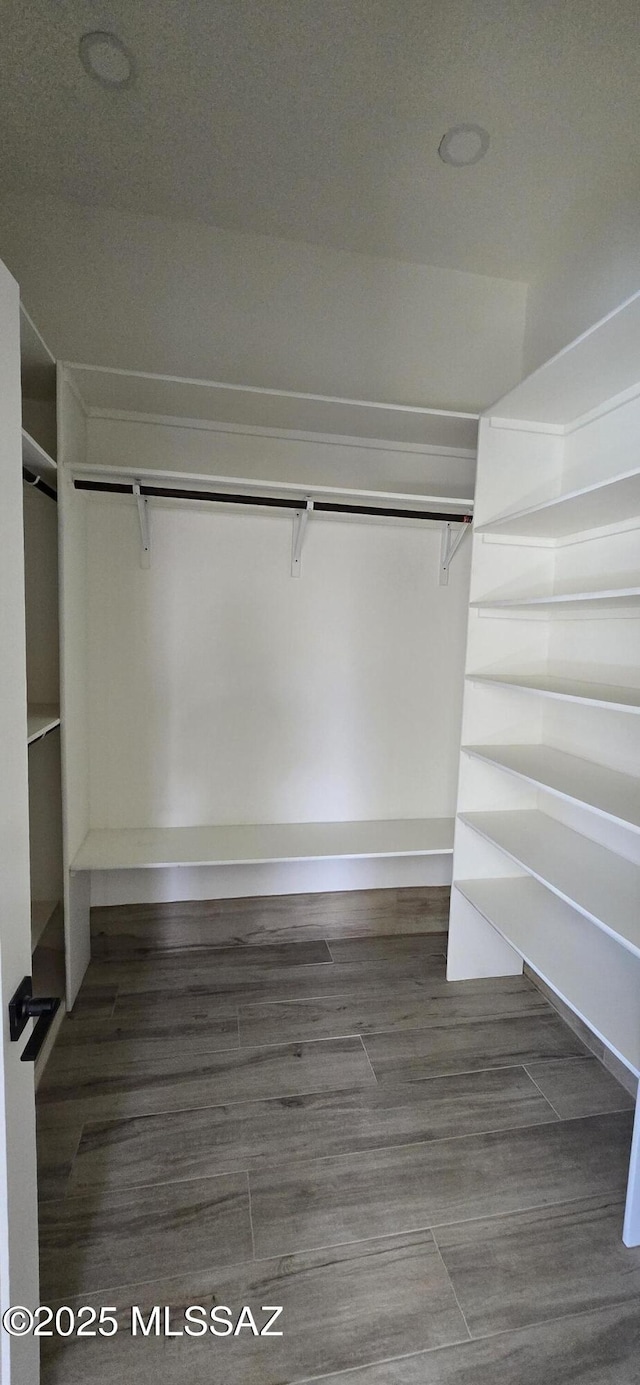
(105, 57)
(463, 145)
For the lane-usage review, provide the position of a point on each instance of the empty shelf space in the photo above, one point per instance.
(121, 849)
(598, 979)
(609, 695)
(42, 911)
(36, 460)
(606, 791)
(597, 506)
(40, 720)
(597, 882)
(560, 602)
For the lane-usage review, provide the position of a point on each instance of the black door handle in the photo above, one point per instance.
(24, 1006)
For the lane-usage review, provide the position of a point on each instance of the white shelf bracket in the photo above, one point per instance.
(143, 519)
(300, 521)
(449, 546)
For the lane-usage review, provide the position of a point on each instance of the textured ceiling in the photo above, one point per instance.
(319, 120)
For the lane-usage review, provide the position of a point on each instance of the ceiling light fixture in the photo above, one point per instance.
(105, 58)
(464, 145)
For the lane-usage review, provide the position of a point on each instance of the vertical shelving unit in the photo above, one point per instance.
(38, 378)
(547, 844)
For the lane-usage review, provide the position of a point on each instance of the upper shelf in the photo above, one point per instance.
(593, 507)
(40, 720)
(614, 697)
(606, 598)
(108, 391)
(597, 366)
(36, 460)
(120, 849)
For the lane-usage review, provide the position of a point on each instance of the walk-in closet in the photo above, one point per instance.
(320, 693)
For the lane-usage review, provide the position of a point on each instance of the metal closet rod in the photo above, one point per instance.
(321, 506)
(38, 484)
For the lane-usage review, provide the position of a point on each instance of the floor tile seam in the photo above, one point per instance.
(324, 1091)
(432, 1351)
(373, 1073)
(337, 1091)
(334, 1092)
(253, 1237)
(67, 1200)
(428, 1144)
(432, 1227)
(545, 1098)
(181, 1110)
(391, 1029)
(265, 1161)
(457, 1072)
(230, 1049)
(223, 1105)
(452, 1287)
(219, 1270)
(199, 949)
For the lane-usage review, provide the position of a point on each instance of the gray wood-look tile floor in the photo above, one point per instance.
(429, 1179)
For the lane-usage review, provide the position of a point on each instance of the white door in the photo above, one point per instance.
(18, 1202)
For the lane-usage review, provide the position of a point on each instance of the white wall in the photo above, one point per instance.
(184, 298)
(593, 268)
(222, 690)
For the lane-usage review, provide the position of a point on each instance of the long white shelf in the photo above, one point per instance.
(40, 720)
(605, 791)
(597, 882)
(105, 390)
(593, 507)
(605, 598)
(610, 695)
(129, 848)
(599, 982)
(36, 460)
(585, 374)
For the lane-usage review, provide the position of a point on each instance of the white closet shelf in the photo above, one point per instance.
(109, 391)
(607, 792)
(42, 911)
(600, 983)
(608, 597)
(36, 460)
(593, 507)
(40, 720)
(597, 882)
(130, 848)
(610, 695)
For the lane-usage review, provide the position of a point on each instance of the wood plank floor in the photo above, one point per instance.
(428, 1178)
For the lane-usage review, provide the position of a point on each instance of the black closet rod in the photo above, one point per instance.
(322, 506)
(38, 484)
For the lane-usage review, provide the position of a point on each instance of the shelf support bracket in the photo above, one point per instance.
(300, 521)
(143, 519)
(449, 547)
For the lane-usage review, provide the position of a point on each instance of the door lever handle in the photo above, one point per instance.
(24, 1006)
